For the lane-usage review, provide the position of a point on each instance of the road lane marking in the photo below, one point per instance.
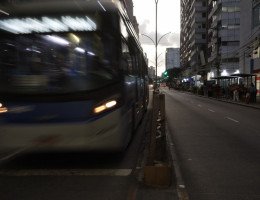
(199, 105)
(211, 110)
(67, 172)
(12, 154)
(231, 119)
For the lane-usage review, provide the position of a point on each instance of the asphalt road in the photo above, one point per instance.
(67, 176)
(218, 146)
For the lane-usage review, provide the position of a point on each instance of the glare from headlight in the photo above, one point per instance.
(110, 104)
(105, 106)
(99, 109)
(2, 108)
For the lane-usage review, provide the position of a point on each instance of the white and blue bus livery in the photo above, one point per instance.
(72, 76)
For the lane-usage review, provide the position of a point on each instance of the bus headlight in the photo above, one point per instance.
(105, 106)
(3, 109)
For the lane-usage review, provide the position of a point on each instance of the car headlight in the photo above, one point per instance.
(3, 109)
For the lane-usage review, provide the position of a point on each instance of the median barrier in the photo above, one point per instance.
(158, 169)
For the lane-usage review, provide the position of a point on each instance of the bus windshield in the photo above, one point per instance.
(58, 62)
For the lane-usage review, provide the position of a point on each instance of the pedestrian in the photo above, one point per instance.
(252, 93)
(235, 93)
(247, 99)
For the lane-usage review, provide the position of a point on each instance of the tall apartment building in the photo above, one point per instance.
(249, 51)
(129, 8)
(223, 37)
(193, 36)
(172, 58)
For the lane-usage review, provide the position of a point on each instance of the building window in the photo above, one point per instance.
(256, 16)
(203, 14)
(203, 36)
(231, 9)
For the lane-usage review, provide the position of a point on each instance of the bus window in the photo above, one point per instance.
(127, 65)
(55, 63)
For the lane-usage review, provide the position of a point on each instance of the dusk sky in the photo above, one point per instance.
(168, 21)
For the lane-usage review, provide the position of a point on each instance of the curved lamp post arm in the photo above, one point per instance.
(149, 38)
(162, 37)
(159, 55)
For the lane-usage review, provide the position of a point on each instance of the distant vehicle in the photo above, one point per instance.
(72, 76)
(162, 84)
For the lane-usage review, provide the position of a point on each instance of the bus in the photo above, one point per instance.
(73, 76)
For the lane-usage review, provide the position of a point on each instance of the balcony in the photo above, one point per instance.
(212, 41)
(201, 30)
(213, 56)
(200, 18)
(214, 9)
(200, 9)
(215, 22)
(198, 41)
(193, 53)
(193, 63)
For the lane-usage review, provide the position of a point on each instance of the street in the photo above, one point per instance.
(76, 176)
(218, 146)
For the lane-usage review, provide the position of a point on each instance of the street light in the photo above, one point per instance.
(156, 42)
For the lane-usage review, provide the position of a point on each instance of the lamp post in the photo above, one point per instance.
(156, 42)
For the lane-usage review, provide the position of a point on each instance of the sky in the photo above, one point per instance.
(168, 20)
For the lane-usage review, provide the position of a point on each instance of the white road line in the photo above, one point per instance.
(199, 105)
(12, 154)
(232, 119)
(67, 172)
(211, 110)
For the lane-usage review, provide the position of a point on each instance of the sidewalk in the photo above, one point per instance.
(252, 105)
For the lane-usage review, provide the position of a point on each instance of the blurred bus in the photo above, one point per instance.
(72, 76)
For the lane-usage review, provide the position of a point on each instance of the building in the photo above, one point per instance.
(249, 51)
(193, 36)
(172, 58)
(223, 37)
(151, 72)
(129, 8)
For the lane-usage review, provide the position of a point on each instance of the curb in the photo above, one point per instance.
(222, 100)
